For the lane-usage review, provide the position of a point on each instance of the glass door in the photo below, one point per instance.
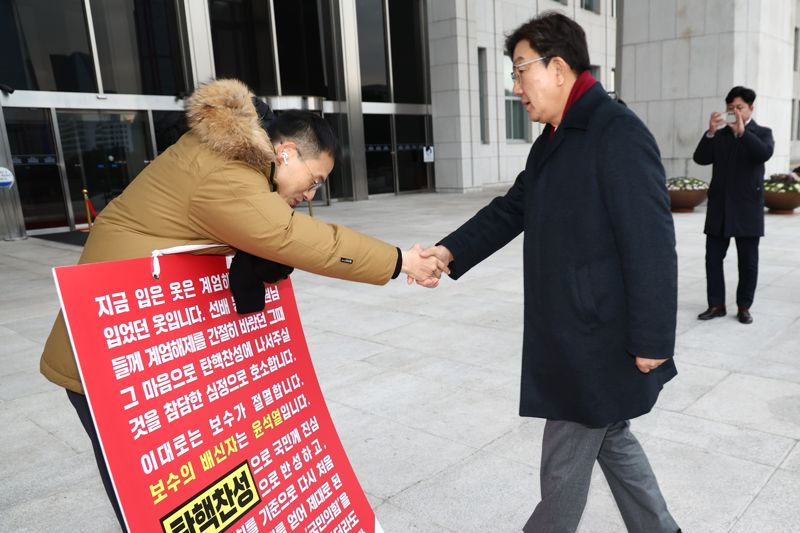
(103, 152)
(378, 144)
(412, 170)
(395, 153)
(33, 153)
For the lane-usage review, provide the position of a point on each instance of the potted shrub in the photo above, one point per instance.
(686, 193)
(782, 193)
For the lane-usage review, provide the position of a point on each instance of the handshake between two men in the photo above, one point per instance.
(425, 266)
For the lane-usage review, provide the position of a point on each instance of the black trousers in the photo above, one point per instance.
(81, 406)
(747, 251)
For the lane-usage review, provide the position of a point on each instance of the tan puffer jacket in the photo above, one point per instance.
(212, 186)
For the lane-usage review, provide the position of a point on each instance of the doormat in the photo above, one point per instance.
(78, 238)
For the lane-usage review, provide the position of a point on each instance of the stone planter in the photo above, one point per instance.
(686, 201)
(781, 203)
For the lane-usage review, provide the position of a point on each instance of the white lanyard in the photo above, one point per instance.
(186, 248)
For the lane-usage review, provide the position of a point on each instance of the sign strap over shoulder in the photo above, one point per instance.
(183, 249)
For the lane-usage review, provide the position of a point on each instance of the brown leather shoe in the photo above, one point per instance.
(712, 312)
(744, 316)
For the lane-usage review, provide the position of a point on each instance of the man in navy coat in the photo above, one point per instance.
(737, 151)
(600, 274)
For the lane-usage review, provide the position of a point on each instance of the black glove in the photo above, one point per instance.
(247, 276)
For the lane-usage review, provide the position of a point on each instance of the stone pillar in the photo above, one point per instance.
(681, 57)
(450, 94)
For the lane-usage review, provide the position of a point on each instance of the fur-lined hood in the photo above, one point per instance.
(222, 115)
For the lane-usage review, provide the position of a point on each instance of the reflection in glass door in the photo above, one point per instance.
(240, 32)
(138, 47)
(378, 144)
(103, 152)
(372, 51)
(45, 46)
(33, 153)
(339, 183)
(409, 65)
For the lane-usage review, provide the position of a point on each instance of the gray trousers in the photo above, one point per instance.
(569, 451)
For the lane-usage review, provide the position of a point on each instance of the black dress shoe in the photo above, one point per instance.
(712, 312)
(744, 316)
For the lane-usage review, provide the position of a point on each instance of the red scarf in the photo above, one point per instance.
(584, 82)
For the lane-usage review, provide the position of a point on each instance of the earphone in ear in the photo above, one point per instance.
(285, 156)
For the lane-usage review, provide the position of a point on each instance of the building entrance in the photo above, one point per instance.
(55, 160)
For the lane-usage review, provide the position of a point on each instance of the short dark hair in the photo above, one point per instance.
(553, 34)
(747, 95)
(308, 130)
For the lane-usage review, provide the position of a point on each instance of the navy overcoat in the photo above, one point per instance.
(600, 270)
(736, 193)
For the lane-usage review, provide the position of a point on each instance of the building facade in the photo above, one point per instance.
(92, 90)
(679, 58)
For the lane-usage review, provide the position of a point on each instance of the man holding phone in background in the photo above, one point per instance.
(737, 148)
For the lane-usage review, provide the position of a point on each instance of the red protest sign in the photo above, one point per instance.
(208, 420)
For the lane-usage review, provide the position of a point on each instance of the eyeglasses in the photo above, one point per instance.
(316, 183)
(517, 70)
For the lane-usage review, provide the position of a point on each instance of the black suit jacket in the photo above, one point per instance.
(599, 263)
(736, 193)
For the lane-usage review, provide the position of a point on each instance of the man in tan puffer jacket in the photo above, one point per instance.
(226, 181)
